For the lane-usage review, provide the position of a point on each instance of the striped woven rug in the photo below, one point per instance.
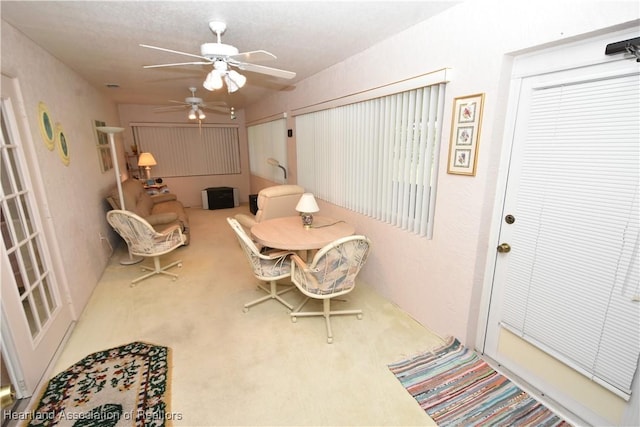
(456, 387)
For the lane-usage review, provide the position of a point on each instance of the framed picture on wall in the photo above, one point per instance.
(465, 134)
(104, 149)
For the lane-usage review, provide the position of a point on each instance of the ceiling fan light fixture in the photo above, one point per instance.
(213, 81)
(192, 115)
(231, 86)
(234, 81)
(201, 115)
(237, 78)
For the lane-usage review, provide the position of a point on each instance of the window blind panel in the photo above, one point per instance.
(375, 157)
(577, 215)
(420, 152)
(436, 109)
(268, 140)
(387, 155)
(189, 151)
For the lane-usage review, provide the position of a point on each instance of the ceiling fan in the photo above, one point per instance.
(223, 56)
(195, 105)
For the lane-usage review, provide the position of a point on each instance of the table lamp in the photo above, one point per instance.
(146, 160)
(307, 206)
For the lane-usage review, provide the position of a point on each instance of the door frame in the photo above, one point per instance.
(564, 57)
(25, 382)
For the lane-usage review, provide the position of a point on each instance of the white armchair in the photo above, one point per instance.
(269, 267)
(332, 273)
(143, 240)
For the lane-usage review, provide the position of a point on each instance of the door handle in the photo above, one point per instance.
(503, 248)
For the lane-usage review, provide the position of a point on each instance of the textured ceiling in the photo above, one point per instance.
(100, 39)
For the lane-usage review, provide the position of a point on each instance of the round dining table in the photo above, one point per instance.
(288, 232)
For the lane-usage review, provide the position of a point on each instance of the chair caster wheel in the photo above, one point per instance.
(359, 316)
(294, 319)
(330, 340)
(245, 310)
(180, 265)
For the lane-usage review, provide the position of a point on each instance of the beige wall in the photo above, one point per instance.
(71, 202)
(188, 188)
(439, 281)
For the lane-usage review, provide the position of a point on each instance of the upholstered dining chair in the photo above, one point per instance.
(268, 267)
(144, 241)
(331, 273)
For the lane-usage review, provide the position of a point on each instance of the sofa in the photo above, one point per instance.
(273, 202)
(160, 210)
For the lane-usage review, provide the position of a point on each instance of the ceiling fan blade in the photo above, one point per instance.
(170, 108)
(217, 109)
(175, 51)
(178, 102)
(176, 64)
(214, 104)
(266, 70)
(253, 56)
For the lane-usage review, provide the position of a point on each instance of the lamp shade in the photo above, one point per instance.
(237, 78)
(146, 159)
(307, 204)
(213, 81)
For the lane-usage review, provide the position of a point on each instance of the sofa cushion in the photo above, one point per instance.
(131, 192)
(144, 207)
(162, 218)
(163, 197)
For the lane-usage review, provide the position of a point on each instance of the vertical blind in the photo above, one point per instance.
(572, 281)
(377, 157)
(268, 140)
(190, 150)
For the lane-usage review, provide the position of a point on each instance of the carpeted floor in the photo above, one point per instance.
(257, 368)
(457, 388)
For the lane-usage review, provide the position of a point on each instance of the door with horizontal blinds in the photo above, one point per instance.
(566, 277)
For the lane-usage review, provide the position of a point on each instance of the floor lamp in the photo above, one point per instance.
(274, 162)
(110, 130)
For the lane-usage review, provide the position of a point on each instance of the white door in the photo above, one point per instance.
(35, 316)
(566, 281)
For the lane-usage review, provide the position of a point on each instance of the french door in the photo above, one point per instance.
(566, 278)
(35, 316)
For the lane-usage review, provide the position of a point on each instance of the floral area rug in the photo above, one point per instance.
(122, 386)
(455, 387)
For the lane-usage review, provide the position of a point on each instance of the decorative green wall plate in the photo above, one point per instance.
(63, 146)
(46, 126)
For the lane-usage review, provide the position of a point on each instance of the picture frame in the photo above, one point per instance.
(466, 123)
(104, 149)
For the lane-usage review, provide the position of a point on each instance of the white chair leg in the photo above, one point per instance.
(157, 269)
(272, 293)
(326, 313)
(326, 309)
